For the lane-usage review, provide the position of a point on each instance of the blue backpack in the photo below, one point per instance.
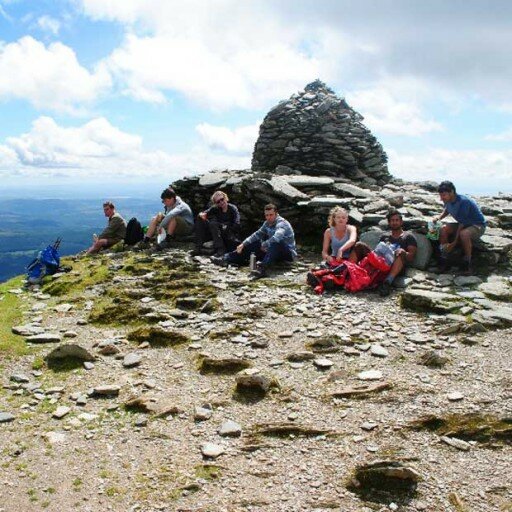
(46, 263)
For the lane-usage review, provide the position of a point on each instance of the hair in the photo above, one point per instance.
(446, 186)
(392, 213)
(270, 206)
(334, 211)
(109, 204)
(168, 194)
(219, 193)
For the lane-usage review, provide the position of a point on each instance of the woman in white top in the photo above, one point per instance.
(339, 237)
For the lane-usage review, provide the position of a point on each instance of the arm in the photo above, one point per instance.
(113, 227)
(443, 214)
(257, 235)
(278, 235)
(349, 243)
(410, 252)
(326, 246)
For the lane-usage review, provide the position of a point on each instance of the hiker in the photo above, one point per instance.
(469, 226)
(220, 223)
(339, 237)
(176, 221)
(112, 234)
(273, 242)
(404, 245)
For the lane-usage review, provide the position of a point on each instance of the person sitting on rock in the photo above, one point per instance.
(112, 234)
(273, 242)
(470, 225)
(177, 221)
(339, 237)
(404, 245)
(220, 223)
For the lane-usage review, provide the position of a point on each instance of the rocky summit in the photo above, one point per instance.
(156, 381)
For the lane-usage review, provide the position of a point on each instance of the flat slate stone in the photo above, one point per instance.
(44, 338)
(212, 450)
(370, 375)
(132, 359)
(6, 417)
(230, 429)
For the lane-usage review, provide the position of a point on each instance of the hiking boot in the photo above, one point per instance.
(219, 261)
(312, 280)
(164, 244)
(259, 272)
(385, 289)
(443, 266)
(197, 251)
(142, 245)
(466, 268)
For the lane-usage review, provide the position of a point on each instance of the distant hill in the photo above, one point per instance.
(27, 226)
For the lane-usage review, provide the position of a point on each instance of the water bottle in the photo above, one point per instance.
(252, 261)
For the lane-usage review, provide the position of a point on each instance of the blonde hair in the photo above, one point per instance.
(219, 193)
(333, 213)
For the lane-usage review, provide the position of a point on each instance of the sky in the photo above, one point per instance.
(99, 96)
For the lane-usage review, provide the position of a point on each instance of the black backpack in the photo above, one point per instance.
(134, 232)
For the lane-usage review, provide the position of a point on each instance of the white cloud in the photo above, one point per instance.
(475, 171)
(239, 141)
(49, 24)
(393, 106)
(48, 77)
(501, 137)
(97, 150)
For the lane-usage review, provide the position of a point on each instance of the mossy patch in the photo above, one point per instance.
(158, 337)
(227, 366)
(87, 272)
(10, 314)
(208, 471)
(117, 311)
(469, 427)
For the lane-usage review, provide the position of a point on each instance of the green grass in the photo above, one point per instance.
(11, 345)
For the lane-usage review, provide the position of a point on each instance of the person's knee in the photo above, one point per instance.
(465, 235)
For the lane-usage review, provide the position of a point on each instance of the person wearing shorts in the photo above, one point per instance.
(469, 226)
(177, 221)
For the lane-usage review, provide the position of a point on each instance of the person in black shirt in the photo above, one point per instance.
(220, 223)
(404, 245)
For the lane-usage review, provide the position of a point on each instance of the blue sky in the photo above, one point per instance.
(132, 94)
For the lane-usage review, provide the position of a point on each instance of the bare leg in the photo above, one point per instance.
(396, 268)
(97, 246)
(446, 232)
(466, 242)
(171, 226)
(153, 225)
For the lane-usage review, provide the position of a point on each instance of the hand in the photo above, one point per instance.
(435, 219)
(264, 248)
(339, 256)
(239, 248)
(202, 215)
(449, 247)
(400, 251)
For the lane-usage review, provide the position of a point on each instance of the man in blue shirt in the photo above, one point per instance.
(470, 225)
(273, 242)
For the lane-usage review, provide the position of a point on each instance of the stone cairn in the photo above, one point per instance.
(314, 153)
(316, 133)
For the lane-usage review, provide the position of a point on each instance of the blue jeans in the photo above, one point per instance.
(275, 252)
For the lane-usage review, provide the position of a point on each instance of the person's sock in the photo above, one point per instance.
(389, 279)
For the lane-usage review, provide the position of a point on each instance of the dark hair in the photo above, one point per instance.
(168, 194)
(446, 186)
(270, 206)
(392, 213)
(109, 204)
